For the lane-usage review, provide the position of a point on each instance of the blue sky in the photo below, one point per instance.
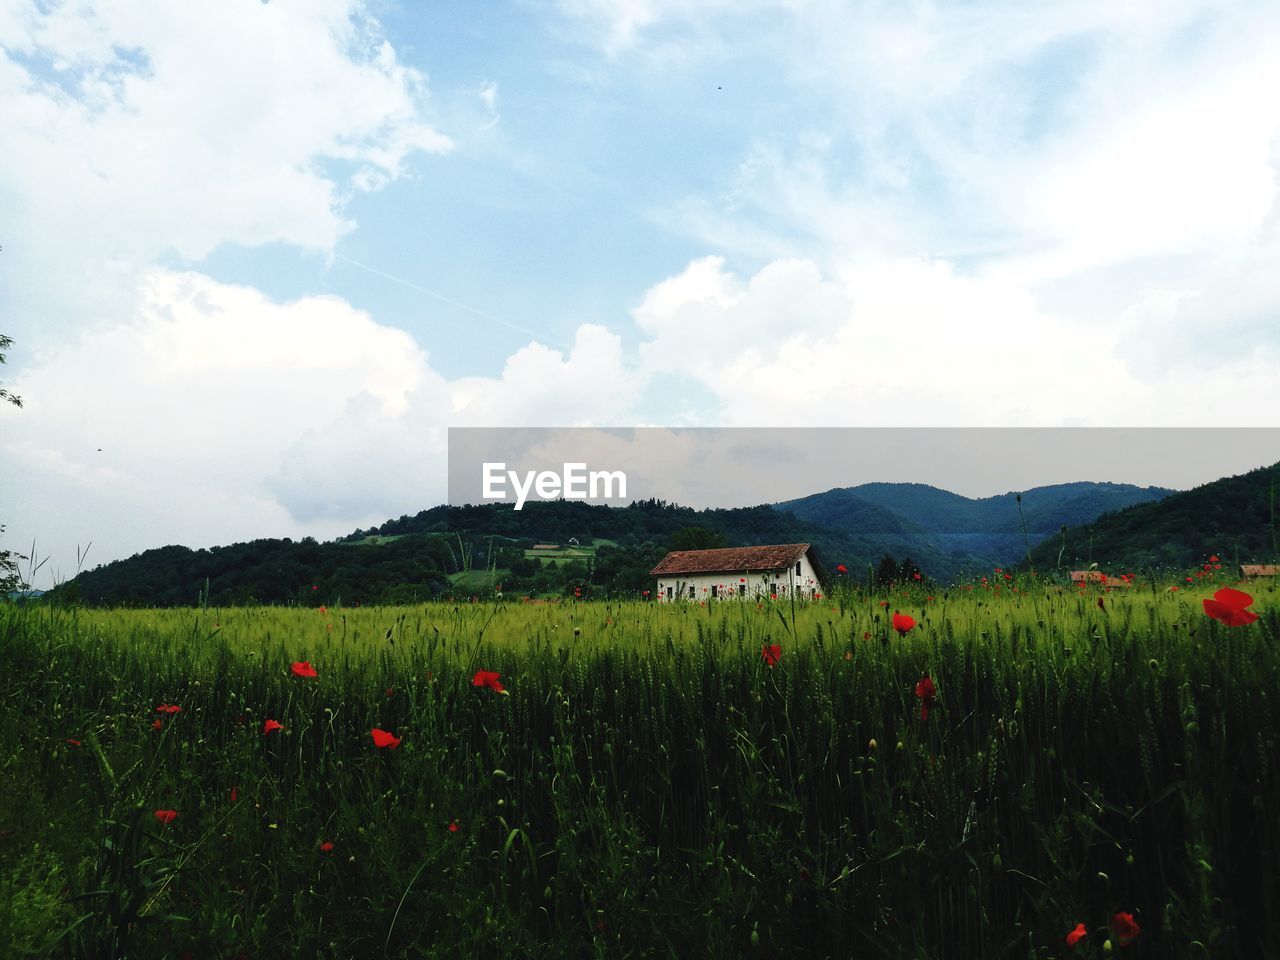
(258, 257)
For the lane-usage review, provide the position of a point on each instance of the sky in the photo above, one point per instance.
(256, 258)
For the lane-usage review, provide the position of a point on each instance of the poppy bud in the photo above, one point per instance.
(871, 745)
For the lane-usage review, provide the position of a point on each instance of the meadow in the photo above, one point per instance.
(1024, 771)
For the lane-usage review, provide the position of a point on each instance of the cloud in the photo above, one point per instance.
(177, 420)
(216, 414)
(922, 343)
(488, 95)
(591, 384)
(134, 131)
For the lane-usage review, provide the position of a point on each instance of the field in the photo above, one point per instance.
(729, 780)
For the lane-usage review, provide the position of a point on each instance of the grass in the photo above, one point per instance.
(648, 786)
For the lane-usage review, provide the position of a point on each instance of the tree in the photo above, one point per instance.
(5, 344)
(697, 538)
(908, 570)
(9, 579)
(887, 571)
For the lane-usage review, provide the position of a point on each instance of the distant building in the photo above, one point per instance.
(1088, 576)
(781, 570)
(1097, 576)
(1251, 570)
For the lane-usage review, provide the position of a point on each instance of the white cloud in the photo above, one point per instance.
(541, 386)
(216, 414)
(137, 129)
(176, 420)
(914, 342)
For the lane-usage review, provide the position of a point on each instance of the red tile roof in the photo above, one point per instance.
(1260, 569)
(730, 559)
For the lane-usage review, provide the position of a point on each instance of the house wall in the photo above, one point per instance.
(728, 586)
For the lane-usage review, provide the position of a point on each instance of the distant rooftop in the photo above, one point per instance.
(731, 559)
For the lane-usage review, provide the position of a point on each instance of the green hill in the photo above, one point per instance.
(1233, 518)
(959, 534)
(473, 549)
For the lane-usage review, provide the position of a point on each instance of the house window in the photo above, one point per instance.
(797, 568)
(742, 589)
(669, 592)
(714, 590)
(692, 594)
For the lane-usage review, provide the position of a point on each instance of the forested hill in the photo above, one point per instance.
(1234, 518)
(445, 551)
(603, 550)
(448, 551)
(656, 522)
(923, 517)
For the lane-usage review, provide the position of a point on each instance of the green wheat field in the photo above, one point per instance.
(645, 780)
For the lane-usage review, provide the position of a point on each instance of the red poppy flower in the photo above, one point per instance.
(771, 653)
(927, 693)
(326, 846)
(391, 691)
(915, 576)
(1076, 935)
(841, 568)
(271, 725)
(383, 739)
(1228, 606)
(168, 708)
(166, 816)
(1214, 558)
(303, 668)
(73, 741)
(488, 678)
(234, 794)
(314, 587)
(866, 634)
(1125, 928)
(453, 826)
(1101, 605)
(157, 724)
(902, 623)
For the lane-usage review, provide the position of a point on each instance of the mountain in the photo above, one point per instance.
(445, 551)
(1234, 518)
(450, 550)
(948, 534)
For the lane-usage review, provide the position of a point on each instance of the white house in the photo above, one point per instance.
(781, 570)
